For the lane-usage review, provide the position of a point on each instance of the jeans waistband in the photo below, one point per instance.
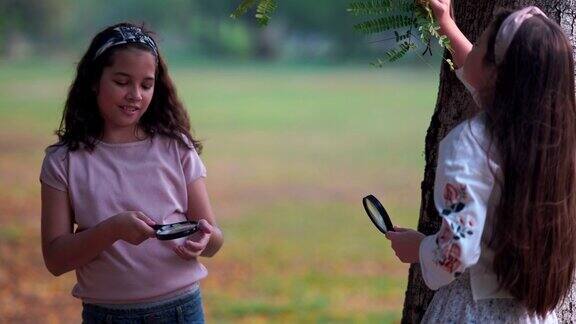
(136, 308)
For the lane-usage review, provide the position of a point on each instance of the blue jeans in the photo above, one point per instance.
(184, 310)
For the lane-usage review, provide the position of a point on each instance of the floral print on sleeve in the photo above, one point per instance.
(457, 225)
(455, 198)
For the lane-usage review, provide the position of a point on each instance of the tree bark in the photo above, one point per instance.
(454, 105)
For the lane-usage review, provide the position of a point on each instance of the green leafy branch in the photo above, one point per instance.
(395, 53)
(382, 24)
(404, 17)
(399, 15)
(264, 10)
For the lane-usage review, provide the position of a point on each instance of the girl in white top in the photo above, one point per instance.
(505, 179)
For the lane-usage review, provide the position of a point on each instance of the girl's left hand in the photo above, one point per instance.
(406, 243)
(195, 243)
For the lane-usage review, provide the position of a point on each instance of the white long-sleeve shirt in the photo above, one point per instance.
(465, 191)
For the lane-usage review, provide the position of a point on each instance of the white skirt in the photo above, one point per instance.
(454, 303)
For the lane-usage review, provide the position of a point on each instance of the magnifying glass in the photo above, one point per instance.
(176, 230)
(377, 214)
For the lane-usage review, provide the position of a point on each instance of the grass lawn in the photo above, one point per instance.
(290, 152)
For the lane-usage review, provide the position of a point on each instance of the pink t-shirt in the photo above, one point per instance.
(148, 176)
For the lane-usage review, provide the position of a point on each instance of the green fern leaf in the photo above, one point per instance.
(397, 53)
(264, 10)
(401, 37)
(242, 8)
(379, 63)
(380, 7)
(379, 25)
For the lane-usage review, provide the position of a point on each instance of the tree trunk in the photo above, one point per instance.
(453, 105)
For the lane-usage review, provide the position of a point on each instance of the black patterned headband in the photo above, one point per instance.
(127, 35)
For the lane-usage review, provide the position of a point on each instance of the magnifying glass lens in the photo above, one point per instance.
(376, 216)
(175, 230)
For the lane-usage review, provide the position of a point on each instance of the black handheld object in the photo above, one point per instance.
(377, 214)
(176, 230)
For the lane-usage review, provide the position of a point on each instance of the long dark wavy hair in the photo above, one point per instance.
(531, 119)
(82, 125)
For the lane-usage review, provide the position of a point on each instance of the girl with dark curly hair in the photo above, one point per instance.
(125, 163)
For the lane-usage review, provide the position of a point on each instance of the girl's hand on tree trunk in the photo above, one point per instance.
(406, 243)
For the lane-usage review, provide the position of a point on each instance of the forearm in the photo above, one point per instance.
(215, 243)
(71, 251)
(461, 46)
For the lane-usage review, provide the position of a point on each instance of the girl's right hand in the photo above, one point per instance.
(133, 227)
(442, 10)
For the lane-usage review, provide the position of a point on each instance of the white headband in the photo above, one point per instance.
(509, 28)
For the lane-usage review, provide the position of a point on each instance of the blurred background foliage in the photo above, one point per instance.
(300, 31)
(297, 129)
